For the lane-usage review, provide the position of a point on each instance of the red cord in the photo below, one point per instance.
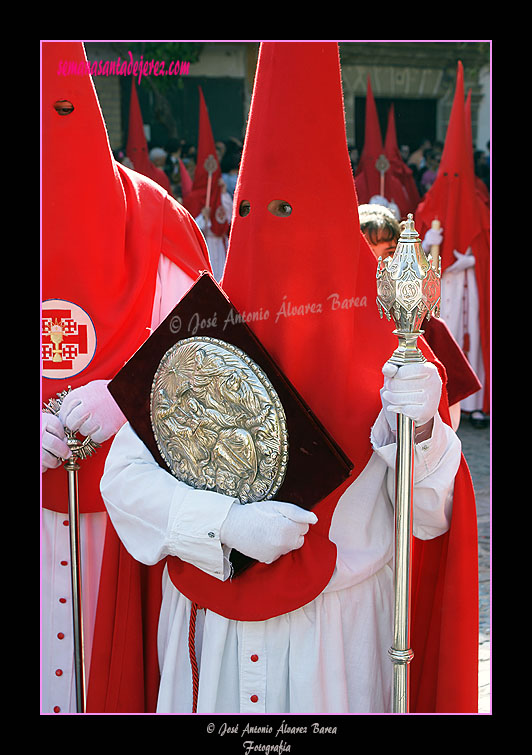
(192, 654)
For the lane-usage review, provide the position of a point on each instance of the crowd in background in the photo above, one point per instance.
(178, 154)
(423, 161)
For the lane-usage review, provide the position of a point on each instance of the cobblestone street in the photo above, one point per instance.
(476, 449)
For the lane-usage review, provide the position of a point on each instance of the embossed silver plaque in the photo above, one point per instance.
(217, 420)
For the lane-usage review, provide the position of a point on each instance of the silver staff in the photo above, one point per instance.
(382, 164)
(408, 290)
(210, 166)
(80, 450)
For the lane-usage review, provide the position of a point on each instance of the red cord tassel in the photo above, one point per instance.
(192, 654)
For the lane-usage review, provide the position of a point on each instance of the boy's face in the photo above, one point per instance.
(382, 248)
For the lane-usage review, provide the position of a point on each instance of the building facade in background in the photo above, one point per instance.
(417, 77)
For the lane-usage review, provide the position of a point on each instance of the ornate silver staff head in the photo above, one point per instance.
(408, 290)
(382, 164)
(210, 164)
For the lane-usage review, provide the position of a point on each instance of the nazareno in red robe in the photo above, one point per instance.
(454, 200)
(333, 354)
(367, 178)
(137, 146)
(205, 190)
(104, 228)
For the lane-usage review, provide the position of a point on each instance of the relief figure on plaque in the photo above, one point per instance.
(215, 422)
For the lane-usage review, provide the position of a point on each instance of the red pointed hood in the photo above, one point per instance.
(297, 263)
(373, 146)
(203, 194)
(398, 166)
(391, 148)
(137, 146)
(367, 177)
(103, 230)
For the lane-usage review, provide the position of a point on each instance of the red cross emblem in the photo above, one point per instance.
(68, 339)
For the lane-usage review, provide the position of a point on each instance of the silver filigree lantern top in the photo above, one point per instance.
(408, 290)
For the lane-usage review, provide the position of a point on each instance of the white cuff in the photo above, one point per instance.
(436, 461)
(193, 534)
(427, 453)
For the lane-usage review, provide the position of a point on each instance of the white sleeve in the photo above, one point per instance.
(171, 284)
(156, 515)
(436, 462)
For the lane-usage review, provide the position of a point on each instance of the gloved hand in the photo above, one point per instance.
(463, 262)
(413, 390)
(53, 442)
(433, 237)
(91, 410)
(266, 530)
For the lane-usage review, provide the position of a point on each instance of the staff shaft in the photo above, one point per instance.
(408, 290)
(400, 652)
(209, 185)
(75, 559)
(80, 449)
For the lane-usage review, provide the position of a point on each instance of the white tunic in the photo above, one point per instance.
(331, 655)
(58, 681)
(217, 245)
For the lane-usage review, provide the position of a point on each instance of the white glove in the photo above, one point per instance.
(433, 237)
(413, 390)
(463, 262)
(53, 442)
(266, 530)
(91, 410)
